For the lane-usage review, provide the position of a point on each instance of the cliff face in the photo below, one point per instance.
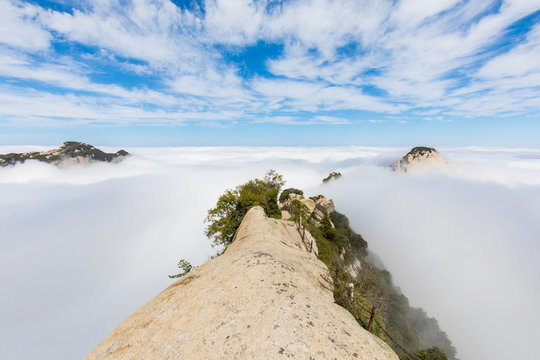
(266, 297)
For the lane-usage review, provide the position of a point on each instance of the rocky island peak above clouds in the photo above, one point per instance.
(70, 152)
(419, 156)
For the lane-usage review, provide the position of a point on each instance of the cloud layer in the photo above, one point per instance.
(154, 62)
(84, 246)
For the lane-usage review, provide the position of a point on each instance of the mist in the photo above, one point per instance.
(86, 245)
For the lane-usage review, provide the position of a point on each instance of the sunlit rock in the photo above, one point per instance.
(70, 152)
(419, 158)
(266, 297)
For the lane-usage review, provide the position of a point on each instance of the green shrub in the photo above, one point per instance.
(185, 266)
(327, 250)
(410, 327)
(327, 230)
(224, 219)
(338, 247)
(339, 220)
(433, 353)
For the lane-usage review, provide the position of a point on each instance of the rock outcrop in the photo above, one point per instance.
(69, 152)
(419, 156)
(316, 207)
(266, 297)
(333, 175)
(354, 268)
(327, 205)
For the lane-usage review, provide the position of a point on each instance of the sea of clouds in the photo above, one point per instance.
(84, 246)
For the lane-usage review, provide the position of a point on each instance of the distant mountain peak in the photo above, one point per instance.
(331, 176)
(70, 152)
(418, 155)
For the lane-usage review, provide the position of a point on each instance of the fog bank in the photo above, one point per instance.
(84, 246)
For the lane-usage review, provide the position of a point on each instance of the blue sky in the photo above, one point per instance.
(320, 72)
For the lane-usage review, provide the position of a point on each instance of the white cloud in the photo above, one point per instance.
(518, 62)
(412, 12)
(315, 95)
(286, 89)
(19, 29)
(225, 84)
(154, 31)
(378, 56)
(290, 120)
(95, 242)
(234, 22)
(38, 108)
(460, 245)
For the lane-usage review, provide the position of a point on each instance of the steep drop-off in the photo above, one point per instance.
(361, 284)
(266, 297)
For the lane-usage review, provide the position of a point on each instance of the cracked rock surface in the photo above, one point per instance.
(266, 297)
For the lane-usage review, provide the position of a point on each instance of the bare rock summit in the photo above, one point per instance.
(266, 297)
(419, 157)
(70, 152)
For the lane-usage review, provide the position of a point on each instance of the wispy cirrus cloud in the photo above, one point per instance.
(255, 59)
(20, 27)
(291, 120)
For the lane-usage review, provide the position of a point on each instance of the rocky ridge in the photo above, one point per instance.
(360, 281)
(418, 156)
(266, 297)
(316, 207)
(70, 152)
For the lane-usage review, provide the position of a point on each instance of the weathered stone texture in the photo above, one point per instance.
(266, 297)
